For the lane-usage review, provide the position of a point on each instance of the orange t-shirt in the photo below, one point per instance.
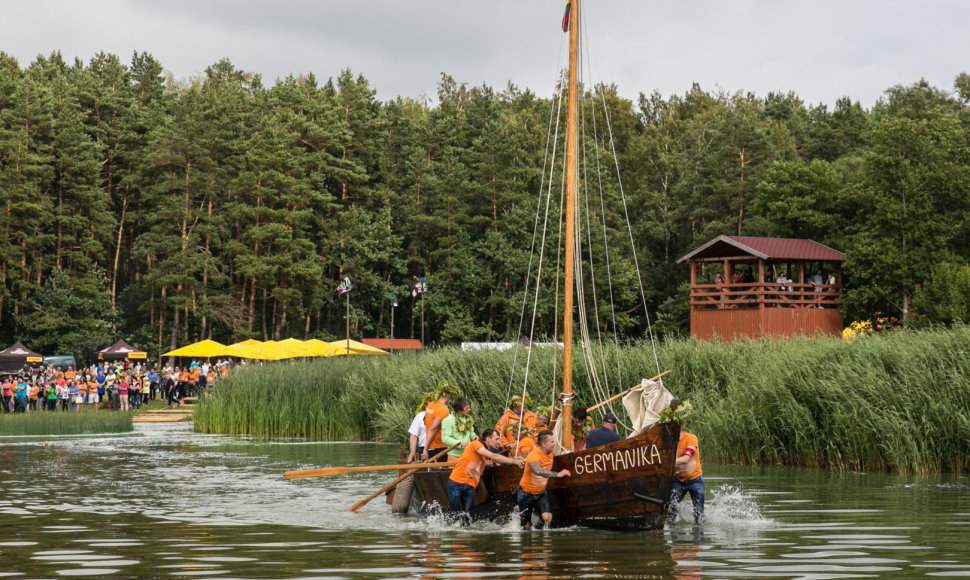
(470, 465)
(509, 438)
(69, 375)
(32, 392)
(689, 441)
(435, 410)
(530, 482)
(526, 445)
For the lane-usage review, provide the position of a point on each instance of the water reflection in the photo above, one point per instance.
(172, 503)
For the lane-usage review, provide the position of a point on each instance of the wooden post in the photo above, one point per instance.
(761, 281)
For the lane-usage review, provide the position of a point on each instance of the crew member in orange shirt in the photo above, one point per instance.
(468, 471)
(526, 442)
(687, 477)
(435, 413)
(518, 411)
(532, 487)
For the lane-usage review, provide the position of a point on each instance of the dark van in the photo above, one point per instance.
(60, 362)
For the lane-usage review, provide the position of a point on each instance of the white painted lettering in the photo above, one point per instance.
(655, 453)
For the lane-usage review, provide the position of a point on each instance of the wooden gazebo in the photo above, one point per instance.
(752, 287)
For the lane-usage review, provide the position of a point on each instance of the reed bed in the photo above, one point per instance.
(63, 423)
(896, 402)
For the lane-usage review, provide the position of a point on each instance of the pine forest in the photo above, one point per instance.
(166, 211)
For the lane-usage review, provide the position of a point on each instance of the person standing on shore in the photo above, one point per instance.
(7, 393)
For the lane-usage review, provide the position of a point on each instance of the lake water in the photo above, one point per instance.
(170, 503)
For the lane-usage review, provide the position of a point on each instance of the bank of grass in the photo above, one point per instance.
(897, 402)
(63, 423)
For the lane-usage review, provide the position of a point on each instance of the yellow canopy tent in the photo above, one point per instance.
(247, 342)
(203, 349)
(315, 347)
(356, 347)
(269, 350)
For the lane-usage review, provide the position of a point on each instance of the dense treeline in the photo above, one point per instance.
(163, 211)
(886, 402)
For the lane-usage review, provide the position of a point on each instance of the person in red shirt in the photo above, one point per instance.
(468, 471)
(532, 487)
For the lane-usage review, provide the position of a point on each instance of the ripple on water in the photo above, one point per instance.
(89, 572)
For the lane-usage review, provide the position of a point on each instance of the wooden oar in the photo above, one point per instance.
(615, 397)
(406, 475)
(328, 471)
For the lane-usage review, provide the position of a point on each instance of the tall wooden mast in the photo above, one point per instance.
(570, 239)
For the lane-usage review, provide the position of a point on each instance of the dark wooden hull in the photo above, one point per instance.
(622, 486)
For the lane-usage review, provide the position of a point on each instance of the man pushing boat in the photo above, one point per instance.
(532, 487)
(468, 471)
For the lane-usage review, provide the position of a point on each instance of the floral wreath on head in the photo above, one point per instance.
(516, 401)
(584, 430)
(464, 424)
(543, 411)
(677, 415)
(425, 400)
(445, 388)
(512, 427)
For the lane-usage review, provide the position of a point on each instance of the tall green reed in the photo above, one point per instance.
(897, 402)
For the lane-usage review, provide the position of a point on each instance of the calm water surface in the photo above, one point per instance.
(170, 503)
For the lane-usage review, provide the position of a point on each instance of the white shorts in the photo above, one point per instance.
(93, 398)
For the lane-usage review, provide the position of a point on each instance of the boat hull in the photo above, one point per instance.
(623, 486)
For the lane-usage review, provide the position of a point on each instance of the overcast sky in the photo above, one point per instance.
(820, 49)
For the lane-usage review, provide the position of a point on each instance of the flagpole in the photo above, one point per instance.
(348, 323)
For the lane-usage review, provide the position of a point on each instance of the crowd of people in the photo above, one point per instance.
(120, 386)
(522, 437)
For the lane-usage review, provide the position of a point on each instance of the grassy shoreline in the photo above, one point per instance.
(892, 402)
(45, 423)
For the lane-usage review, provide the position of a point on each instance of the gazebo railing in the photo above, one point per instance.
(764, 295)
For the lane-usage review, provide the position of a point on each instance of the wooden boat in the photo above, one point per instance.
(621, 486)
(624, 486)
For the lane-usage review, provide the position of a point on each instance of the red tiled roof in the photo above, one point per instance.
(399, 343)
(766, 249)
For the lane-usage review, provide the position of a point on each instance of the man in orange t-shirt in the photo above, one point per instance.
(518, 411)
(433, 416)
(466, 473)
(532, 487)
(687, 478)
